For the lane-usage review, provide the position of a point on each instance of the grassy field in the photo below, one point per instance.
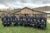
(20, 29)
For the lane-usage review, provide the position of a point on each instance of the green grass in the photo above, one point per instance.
(20, 29)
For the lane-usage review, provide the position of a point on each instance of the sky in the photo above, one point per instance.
(4, 4)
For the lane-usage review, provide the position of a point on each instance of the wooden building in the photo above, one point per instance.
(30, 12)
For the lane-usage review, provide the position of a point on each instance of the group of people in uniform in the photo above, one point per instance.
(39, 22)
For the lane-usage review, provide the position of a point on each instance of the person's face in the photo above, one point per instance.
(34, 19)
(38, 20)
(42, 20)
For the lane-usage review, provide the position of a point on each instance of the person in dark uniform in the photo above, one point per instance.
(34, 23)
(28, 19)
(18, 22)
(4, 20)
(25, 21)
(28, 22)
(13, 21)
(21, 20)
(31, 20)
(43, 24)
(9, 20)
(45, 19)
(38, 22)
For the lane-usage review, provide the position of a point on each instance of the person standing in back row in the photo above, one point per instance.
(42, 24)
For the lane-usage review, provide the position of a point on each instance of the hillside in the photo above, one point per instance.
(46, 8)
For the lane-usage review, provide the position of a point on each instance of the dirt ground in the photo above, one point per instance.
(48, 20)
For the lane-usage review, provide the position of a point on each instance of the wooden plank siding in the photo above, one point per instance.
(29, 11)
